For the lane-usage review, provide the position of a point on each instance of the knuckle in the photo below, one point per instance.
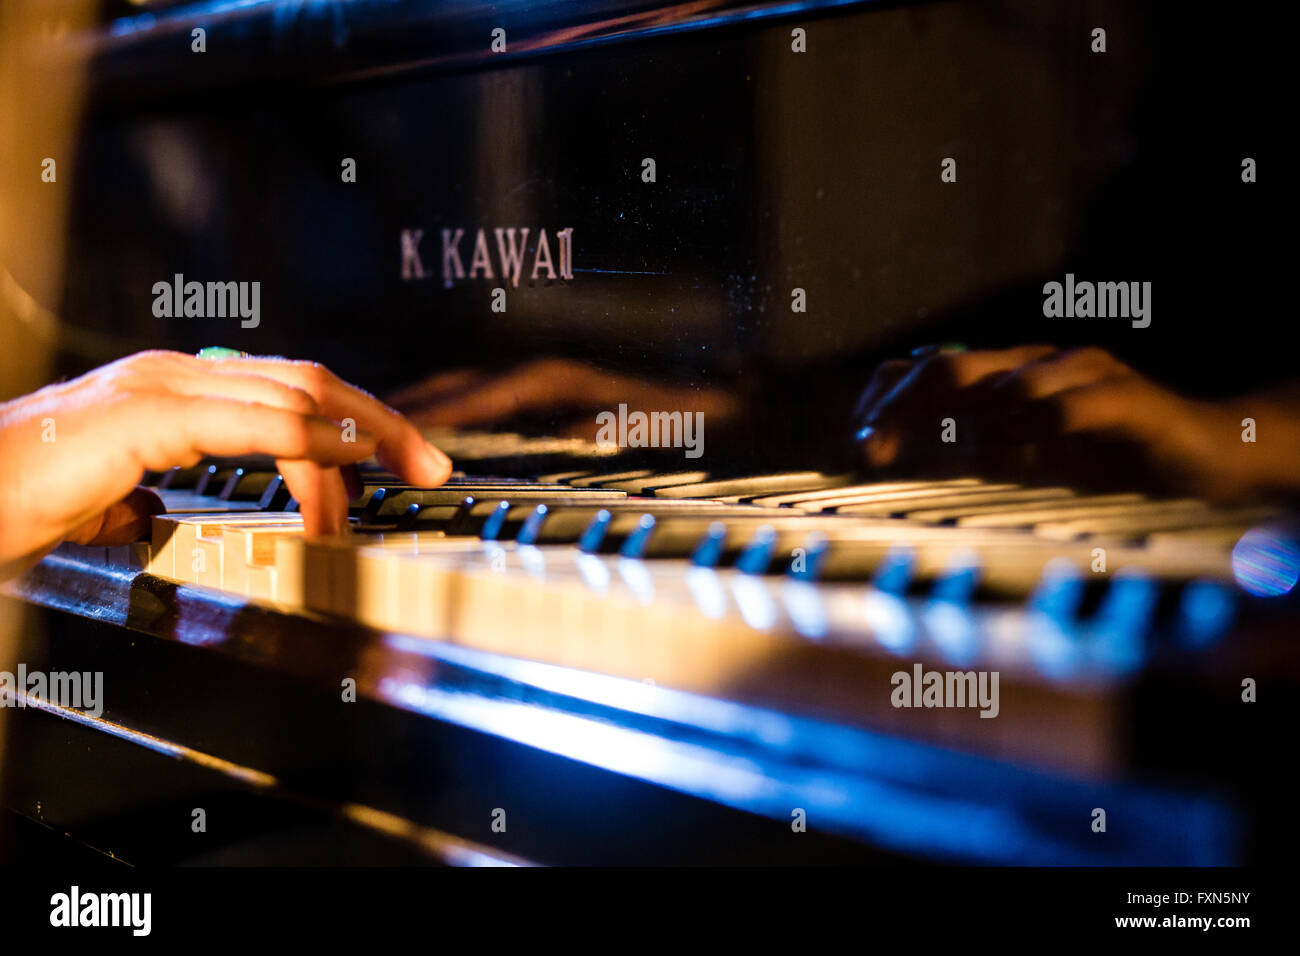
(1028, 354)
(306, 401)
(547, 367)
(1029, 379)
(315, 374)
(1090, 355)
(149, 362)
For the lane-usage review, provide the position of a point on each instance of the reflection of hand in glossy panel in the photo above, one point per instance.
(1036, 412)
(567, 392)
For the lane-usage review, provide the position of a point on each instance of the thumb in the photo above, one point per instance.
(128, 520)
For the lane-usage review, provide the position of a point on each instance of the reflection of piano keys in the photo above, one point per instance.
(803, 591)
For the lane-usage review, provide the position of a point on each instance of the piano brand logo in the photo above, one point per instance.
(208, 300)
(75, 690)
(75, 908)
(549, 258)
(922, 688)
(1102, 300)
(653, 430)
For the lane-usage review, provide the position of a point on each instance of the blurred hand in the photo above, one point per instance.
(72, 454)
(1078, 416)
(568, 393)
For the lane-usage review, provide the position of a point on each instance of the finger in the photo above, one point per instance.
(166, 430)
(400, 447)
(433, 388)
(321, 495)
(352, 481)
(1128, 404)
(246, 388)
(908, 417)
(1057, 373)
(189, 375)
(533, 387)
(125, 521)
(951, 372)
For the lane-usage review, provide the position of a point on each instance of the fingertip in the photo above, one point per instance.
(438, 467)
(123, 522)
(321, 494)
(878, 446)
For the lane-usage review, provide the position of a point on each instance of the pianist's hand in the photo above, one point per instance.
(72, 454)
(1081, 416)
(567, 393)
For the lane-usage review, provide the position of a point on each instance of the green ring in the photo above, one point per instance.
(220, 352)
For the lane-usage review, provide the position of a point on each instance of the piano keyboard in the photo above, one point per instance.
(799, 590)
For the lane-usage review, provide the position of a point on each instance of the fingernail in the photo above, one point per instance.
(439, 459)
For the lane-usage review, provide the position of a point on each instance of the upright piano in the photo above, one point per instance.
(577, 654)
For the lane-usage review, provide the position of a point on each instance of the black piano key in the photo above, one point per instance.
(493, 527)
(564, 522)
(370, 501)
(594, 533)
(634, 544)
(213, 480)
(549, 523)
(502, 517)
(419, 518)
(721, 534)
(227, 487)
(610, 529)
(182, 478)
(395, 502)
(246, 485)
(275, 496)
(709, 550)
(757, 556)
(406, 521)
